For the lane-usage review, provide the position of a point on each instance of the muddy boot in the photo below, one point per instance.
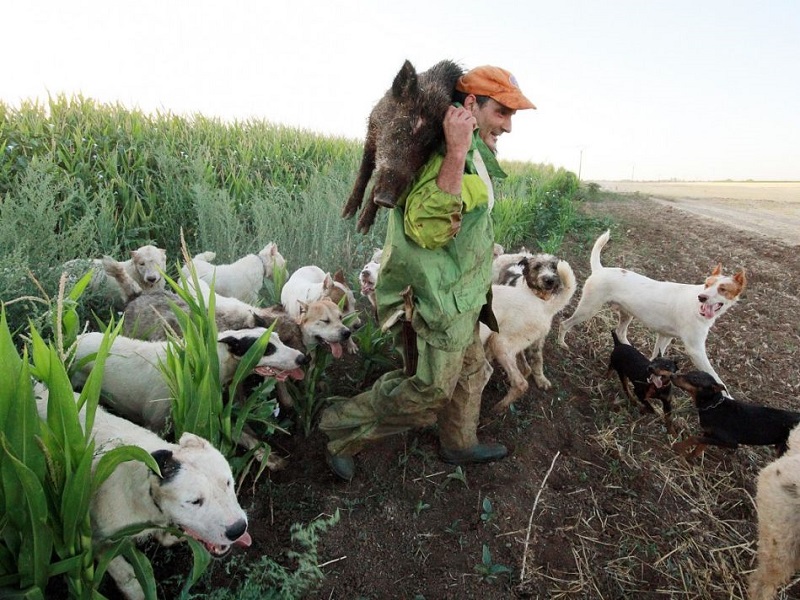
(479, 453)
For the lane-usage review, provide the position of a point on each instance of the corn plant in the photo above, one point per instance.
(48, 474)
(199, 403)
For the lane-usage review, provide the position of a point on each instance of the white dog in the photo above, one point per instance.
(146, 267)
(242, 279)
(368, 278)
(524, 317)
(778, 505)
(670, 309)
(507, 268)
(312, 283)
(195, 492)
(136, 385)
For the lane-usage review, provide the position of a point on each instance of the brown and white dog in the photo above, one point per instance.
(524, 316)
(311, 283)
(672, 310)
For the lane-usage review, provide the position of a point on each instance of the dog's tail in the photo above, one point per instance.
(568, 284)
(205, 256)
(116, 270)
(598, 246)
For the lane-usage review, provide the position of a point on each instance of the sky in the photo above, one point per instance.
(625, 89)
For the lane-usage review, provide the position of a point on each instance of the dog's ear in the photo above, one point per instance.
(167, 464)
(741, 279)
(717, 270)
(259, 321)
(134, 254)
(303, 307)
(718, 387)
(339, 277)
(190, 440)
(327, 283)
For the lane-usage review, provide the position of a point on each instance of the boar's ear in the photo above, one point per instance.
(405, 82)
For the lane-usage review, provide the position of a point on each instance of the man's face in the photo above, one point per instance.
(493, 119)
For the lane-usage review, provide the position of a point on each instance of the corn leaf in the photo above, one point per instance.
(36, 545)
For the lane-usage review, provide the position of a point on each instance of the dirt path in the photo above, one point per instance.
(770, 209)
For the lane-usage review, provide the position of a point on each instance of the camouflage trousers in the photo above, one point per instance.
(446, 389)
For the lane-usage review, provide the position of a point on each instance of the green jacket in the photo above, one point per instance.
(449, 274)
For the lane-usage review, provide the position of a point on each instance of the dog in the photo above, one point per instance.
(650, 378)
(524, 316)
(242, 279)
(136, 388)
(727, 422)
(151, 315)
(145, 267)
(195, 492)
(507, 268)
(311, 283)
(778, 508)
(670, 309)
(368, 279)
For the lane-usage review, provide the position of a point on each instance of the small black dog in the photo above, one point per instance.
(650, 378)
(727, 422)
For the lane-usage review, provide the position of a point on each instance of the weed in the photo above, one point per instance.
(487, 570)
(420, 506)
(487, 513)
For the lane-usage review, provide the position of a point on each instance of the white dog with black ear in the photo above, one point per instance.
(524, 316)
(242, 279)
(136, 386)
(195, 493)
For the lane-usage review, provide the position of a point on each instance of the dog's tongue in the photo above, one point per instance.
(707, 310)
(656, 380)
(336, 349)
(244, 541)
(297, 373)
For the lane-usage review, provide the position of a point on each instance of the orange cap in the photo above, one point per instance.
(496, 83)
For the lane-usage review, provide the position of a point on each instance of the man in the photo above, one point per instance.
(439, 241)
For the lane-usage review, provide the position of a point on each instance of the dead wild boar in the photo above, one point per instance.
(403, 129)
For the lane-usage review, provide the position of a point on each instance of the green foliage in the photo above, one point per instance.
(200, 404)
(535, 207)
(308, 395)
(264, 579)
(487, 513)
(46, 471)
(487, 570)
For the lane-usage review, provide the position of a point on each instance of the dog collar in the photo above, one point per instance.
(715, 405)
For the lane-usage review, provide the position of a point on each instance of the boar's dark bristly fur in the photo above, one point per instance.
(403, 130)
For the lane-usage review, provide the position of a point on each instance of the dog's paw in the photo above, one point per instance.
(352, 347)
(542, 382)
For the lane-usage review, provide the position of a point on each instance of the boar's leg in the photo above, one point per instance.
(367, 217)
(362, 180)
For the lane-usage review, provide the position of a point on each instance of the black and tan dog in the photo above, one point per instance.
(726, 422)
(650, 378)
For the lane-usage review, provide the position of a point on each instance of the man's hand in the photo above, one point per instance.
(458, 126)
